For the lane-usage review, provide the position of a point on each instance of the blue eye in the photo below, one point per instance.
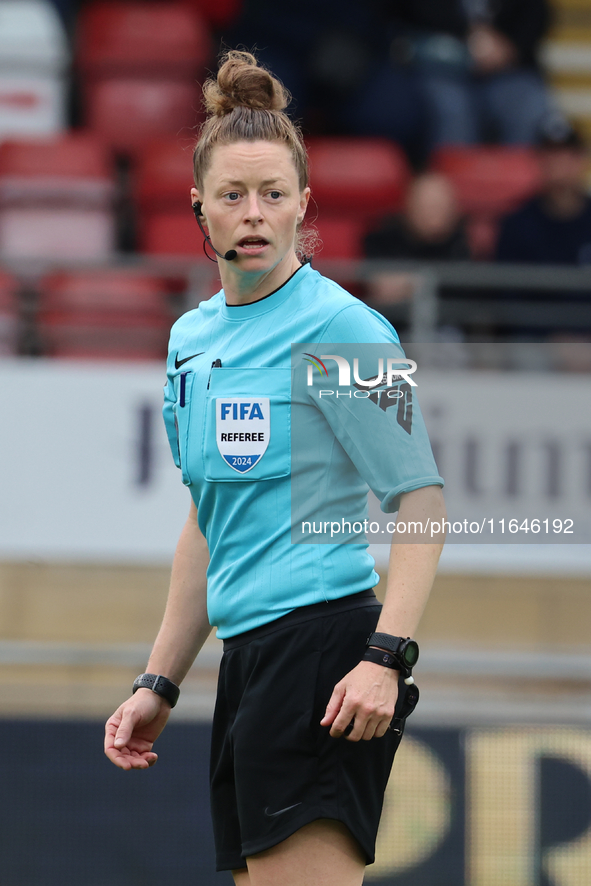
(233, 196)
(275, 195)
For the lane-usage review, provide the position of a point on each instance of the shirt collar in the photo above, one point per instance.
(268, 302)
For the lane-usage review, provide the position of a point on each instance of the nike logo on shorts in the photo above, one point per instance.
(280, 811)
(178, 363)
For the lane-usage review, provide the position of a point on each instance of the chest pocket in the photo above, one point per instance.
(247, 430)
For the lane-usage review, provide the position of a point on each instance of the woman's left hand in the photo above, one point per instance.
(365, 696)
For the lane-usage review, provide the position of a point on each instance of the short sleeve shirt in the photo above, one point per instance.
(228, 414)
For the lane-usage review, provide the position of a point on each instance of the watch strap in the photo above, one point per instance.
(381, 657)
(385, 641)
(160, 685)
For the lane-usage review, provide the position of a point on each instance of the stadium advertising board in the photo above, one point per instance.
(86, 471)
(499, 806)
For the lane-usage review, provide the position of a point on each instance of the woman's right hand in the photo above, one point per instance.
(134, 727)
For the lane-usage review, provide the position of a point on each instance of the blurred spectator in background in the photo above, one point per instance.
(555, 226)
(333, 56)
(476, 60)
(430, 228)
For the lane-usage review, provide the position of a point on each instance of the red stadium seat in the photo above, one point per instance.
(142, 39)
(72, 156)
(491, 180)
(9, 314)
(342, 238)
(8, 291)
(219, 13)
(112, 291)
(172, 232)
(140, 64)
(55, 198)
(166, 224)
(363, 177)
(164, 176)
(104, 314)
(128, 113)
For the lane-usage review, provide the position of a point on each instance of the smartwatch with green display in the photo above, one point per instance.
(403, 653)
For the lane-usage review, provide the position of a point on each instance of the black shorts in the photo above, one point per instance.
(274, 769)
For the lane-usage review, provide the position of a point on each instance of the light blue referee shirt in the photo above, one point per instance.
(228, 417)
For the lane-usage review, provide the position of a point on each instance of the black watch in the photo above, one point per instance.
(404, 650)
(160, 685)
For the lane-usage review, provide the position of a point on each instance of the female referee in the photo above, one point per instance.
(301, 749)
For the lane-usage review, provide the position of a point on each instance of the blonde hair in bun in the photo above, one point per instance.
(245, 102)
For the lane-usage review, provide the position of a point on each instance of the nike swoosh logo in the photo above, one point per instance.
(280, 811)
(178, 363)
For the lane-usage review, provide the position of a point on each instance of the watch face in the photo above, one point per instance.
(410, 653)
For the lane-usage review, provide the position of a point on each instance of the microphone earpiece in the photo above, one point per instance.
(231, 254)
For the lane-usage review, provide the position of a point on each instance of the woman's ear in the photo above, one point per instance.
(304, 199)
(195, 198)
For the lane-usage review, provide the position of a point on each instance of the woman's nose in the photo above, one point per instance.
(253, 209)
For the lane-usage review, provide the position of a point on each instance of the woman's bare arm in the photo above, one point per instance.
(134, 727)
(412, 566)
(185, 627)
(368, 693)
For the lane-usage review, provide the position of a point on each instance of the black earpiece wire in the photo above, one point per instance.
(230, 255)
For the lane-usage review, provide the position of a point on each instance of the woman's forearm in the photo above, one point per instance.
(366, 696)
(185, 626)
(412, 567)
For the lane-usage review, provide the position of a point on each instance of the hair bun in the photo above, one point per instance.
(242, 83)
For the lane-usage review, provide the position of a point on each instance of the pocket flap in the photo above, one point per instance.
(247, 430)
